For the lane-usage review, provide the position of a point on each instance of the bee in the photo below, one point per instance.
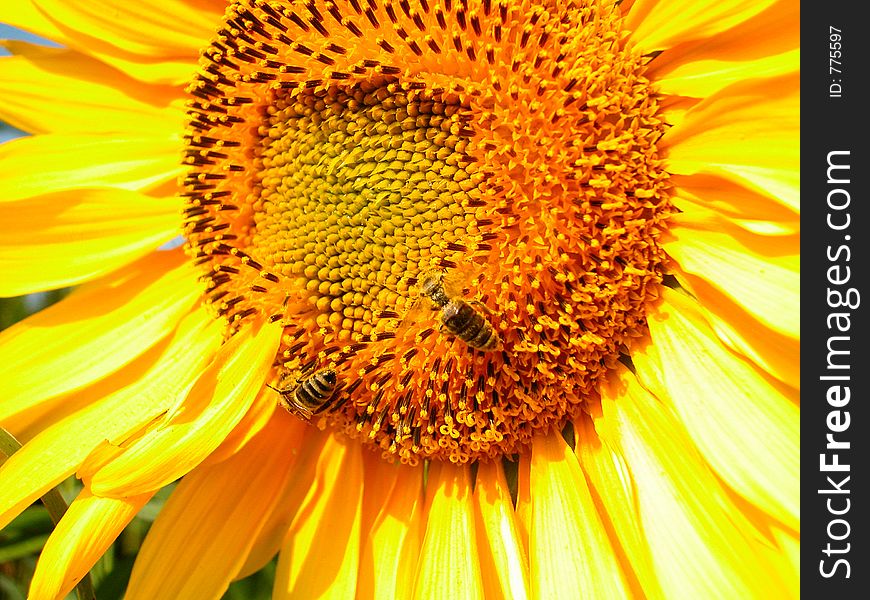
(458, 316)
(311, 395)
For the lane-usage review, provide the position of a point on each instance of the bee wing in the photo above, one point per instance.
(416, 310)
(298, 411)
(420, 314)
(458, 281)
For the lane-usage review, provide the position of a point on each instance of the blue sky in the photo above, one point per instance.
(11, 33)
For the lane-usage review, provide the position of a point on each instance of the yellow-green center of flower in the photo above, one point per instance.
(452, 207)
(362, 187)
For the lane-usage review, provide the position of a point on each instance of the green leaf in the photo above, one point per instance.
(19, 549)
(9, 590)
(113, 584)
(33, 521)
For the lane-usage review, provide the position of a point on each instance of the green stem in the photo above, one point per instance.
(54, 504)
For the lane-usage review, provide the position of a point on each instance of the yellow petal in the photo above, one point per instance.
(57, 90)
(194, 428)
(158, 42)
(775, 353)
(260, 413)
(320, 557)
(773, 31)
(26, 16)
(302, 466)
(57, 452)
(747, 133)
(743, 207)
(66, 238)
(392, 545)
(703, 78)
(744, 426)
(789, 547)
(27, 424)
(213, 517)
(570, 553)
(170, 28)
(524, 499)
(448, 566)
(504, 563)
(42, 164)
(94, 332)
(380, 479)
(759, 273)
(85, 532)
(657, 25)
(610, 481)
(700, 543)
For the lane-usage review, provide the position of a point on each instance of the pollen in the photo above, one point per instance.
(453, 206)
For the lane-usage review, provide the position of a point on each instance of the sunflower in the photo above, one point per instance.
(475, 298)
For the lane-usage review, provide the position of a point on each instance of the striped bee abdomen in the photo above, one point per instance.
(470, 326)
(311, 395)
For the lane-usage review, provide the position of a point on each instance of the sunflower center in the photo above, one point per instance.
(452, 208)
(362, 187)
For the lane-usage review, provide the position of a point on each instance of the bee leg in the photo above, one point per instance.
(307, 369)
(341, 402)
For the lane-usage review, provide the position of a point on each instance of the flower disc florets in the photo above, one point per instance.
(341, 152)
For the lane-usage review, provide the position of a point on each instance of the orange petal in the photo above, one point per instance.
(57, 452)
(570, 552)
(728, 407)
(277, 523)
(380, 478)
(42, 164)
(524, 499)
(701, 545)
(195, 427)
(504, 562)
(320, 557)
(65, 238)
(392, 545)
(95, 97)
(213, 517)
(85, 532)
(448, 566)
(101, 327)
